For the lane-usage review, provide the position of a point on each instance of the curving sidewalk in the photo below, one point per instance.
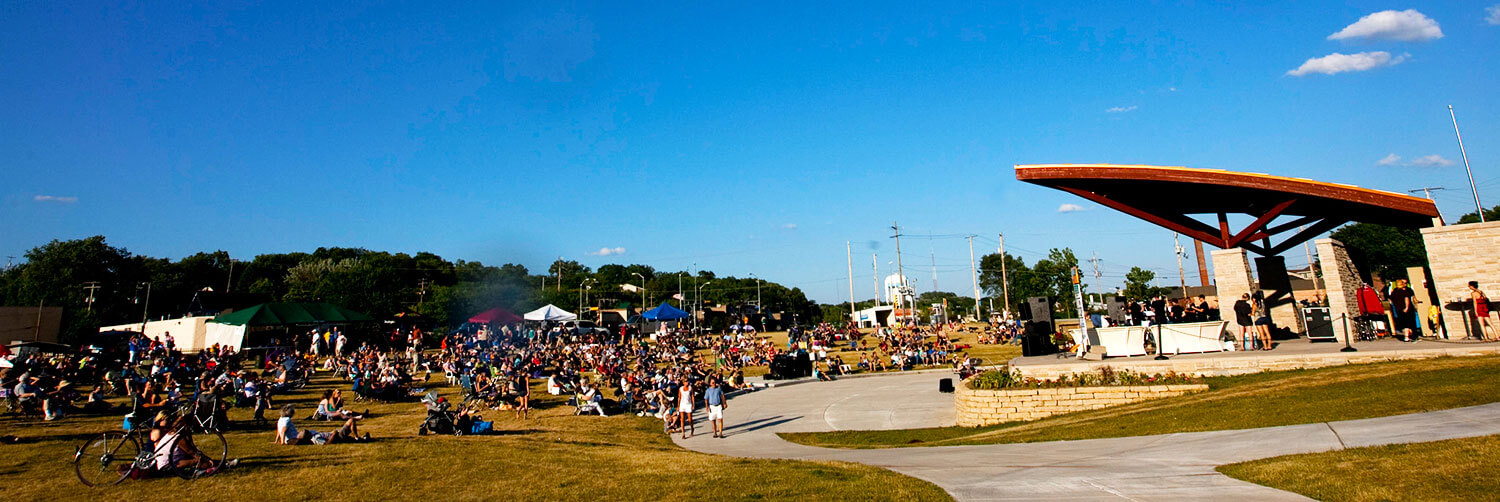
(1164, 467)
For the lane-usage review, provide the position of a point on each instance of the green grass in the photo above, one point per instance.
(1457, 469)
(1239, 402)
(552, 456)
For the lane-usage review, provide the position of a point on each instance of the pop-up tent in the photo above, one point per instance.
(495, 315)
(664, 312)
(550, 313)
(280, 314)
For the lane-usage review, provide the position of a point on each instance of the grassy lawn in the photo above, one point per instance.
(552, 456)
(1457, 469)
(1239, 402)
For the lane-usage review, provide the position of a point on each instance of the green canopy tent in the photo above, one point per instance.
(276, 320)
(282, 314)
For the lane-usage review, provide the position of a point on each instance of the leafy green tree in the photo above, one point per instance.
(1138, 284)
(1383, 251)
(1491, 214)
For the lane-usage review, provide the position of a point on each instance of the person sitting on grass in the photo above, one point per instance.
(331, 407)
(589, 400)
(174, 450)
(287, 433)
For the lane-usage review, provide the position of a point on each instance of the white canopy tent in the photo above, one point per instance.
(549, 313)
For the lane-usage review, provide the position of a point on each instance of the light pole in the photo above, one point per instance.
(759, 309)
(643, 290)
(147, 307)
(698, 302)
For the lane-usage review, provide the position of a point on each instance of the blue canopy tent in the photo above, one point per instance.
(664, 312)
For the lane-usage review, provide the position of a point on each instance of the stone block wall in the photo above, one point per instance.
(1457, 254)
(989, 407)
(1232, 278)
(1342, 281)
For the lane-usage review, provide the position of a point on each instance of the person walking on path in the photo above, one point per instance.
(1481, 310)
(713, 396)
(685, 408)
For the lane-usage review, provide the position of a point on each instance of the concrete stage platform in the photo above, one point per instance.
(1287, 355)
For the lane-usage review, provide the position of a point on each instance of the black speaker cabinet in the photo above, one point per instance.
(1319, 322)
(1271, 271)
(1041, 308)
(945, 385)
(1118, 314)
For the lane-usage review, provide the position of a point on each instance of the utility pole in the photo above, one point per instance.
(1465, 153)
(1311, 269)
(144, 308)
(1181, 276)
(900, 270)
(849, 257)
(932, 255)
(1427, 192)
(875, 279)
(1004, 281)
(91, 286)
(1097, 282)
(974, 272)
(229, 281)
(421, 292)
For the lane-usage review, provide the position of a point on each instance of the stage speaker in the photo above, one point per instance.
(1037, 345)
(1319, 323)
(945, 385)
(1271, 271)
(1023, 311)
(1041, 308)
(1118, 312)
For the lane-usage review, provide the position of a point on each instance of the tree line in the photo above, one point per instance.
(65, 273)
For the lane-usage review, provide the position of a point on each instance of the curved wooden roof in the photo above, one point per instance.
(1165, 195)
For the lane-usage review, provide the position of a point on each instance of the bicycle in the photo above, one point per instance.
(112, 456)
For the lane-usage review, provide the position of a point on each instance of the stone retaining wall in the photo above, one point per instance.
(1242, 363)
(988, 407)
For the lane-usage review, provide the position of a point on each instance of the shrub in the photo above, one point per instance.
(1006, 378)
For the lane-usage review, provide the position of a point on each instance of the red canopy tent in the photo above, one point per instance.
(496, 315)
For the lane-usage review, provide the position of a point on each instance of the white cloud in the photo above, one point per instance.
(1389, 160)
(55, 198)
(790, 226)
(1340, 63)
(1433, 160)
(1120, 109)
(1494, 15)
(1070, 208)
(1407, 25)
(608, 251)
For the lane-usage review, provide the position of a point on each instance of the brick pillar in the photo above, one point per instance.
(1231, 279)
(1341, 280)
(1280, 301)
(1457, 254)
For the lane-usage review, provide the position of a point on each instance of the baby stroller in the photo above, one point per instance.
(440, 419)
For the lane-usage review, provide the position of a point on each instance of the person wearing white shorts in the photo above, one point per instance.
(714, 396)
(685, 408)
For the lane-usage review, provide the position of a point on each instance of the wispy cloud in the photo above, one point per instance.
(1070, 208)
(790, 226)
(55, 198)
(1493, 16)
(1340, 63)
(1389, 160)
(1121, 109)
(609, 251)
(1433, 160)
(1407, 26)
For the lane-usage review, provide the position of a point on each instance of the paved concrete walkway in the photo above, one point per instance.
(1164, 467)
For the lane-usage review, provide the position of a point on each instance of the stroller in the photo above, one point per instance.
(440, 419)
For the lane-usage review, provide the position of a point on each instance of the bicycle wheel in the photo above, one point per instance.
(213, 445)
(106, 459)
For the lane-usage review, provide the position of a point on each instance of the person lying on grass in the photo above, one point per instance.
(287, 433)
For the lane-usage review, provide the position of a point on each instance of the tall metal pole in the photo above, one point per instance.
(229, 281)
(1465, 154)
(900, 270)
(145, 308)
(1004, 281)
(849, 257)
(1181, 275)
(974, 272)
(643, 290)
(875, 279)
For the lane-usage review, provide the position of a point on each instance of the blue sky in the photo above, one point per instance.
(753, 138)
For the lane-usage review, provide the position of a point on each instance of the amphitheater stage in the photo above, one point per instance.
(1287, 355)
